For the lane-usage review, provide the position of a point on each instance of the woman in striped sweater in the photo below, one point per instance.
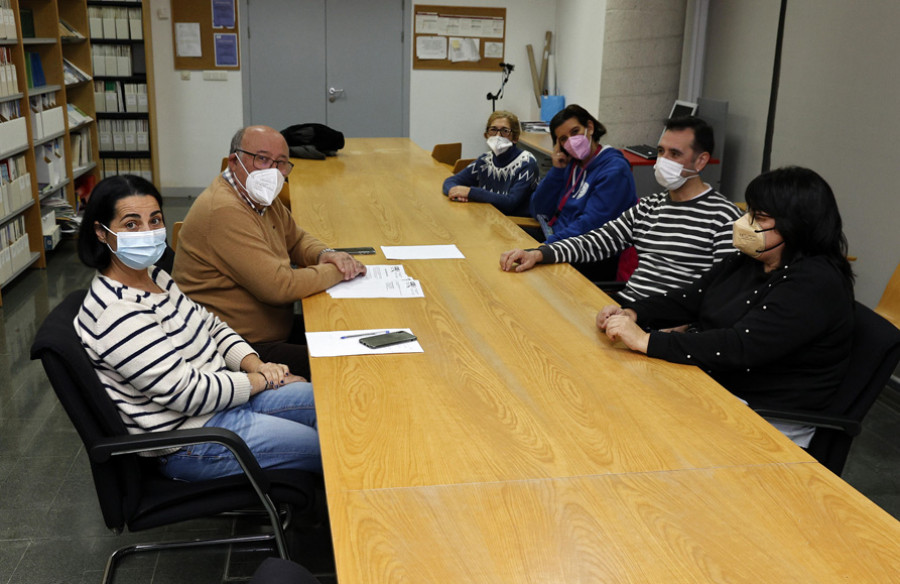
(166, 362)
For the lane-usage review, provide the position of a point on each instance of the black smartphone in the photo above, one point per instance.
(356, 250)
(387, 339)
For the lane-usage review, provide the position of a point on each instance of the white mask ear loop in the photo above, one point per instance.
(237, 156)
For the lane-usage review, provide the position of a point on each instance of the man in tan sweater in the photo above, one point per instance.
(237, 246)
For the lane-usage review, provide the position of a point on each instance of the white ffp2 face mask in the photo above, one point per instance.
(668, 173)
(262, 185)
(499, 144)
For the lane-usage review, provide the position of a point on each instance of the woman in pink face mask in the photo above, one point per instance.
(588, 185)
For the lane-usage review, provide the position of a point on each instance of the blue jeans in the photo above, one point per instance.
(279, 426)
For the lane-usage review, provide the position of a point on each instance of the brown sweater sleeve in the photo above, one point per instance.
(251, 252)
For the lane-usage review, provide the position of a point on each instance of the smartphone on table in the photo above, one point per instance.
(387, 339)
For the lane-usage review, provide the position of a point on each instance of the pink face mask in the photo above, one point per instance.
(578, 146)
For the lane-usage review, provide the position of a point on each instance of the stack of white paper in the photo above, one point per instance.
(380, 281)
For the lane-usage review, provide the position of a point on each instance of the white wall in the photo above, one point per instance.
(195, 118)
(837, 114)
(452, 106)
(579, 50)
(740, 50)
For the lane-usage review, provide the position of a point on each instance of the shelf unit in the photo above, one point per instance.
(139, 147)
(26, 138)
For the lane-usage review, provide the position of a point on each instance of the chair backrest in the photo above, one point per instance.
(462, 163)
(447, 153)
(874, 356)
(889, 305)
(176, 229)
(94, 415)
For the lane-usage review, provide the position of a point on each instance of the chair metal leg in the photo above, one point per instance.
(120, 553)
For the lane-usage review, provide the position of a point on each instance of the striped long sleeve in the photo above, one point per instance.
(164, 360)
(676, 242)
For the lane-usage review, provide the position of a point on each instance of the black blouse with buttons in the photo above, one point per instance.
(779, 339)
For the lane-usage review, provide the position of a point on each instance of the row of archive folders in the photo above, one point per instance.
(124, 135)
(110, 22)
(15, 185)
(9, 78)
(14, 249)
(118, 97)
(138, 166)
(7, 20)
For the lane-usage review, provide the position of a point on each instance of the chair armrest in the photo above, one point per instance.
(610, 286)
(525, 221)
(817, 419)
(106, 448)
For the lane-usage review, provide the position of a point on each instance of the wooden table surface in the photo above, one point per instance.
(517, 394)
(767, 524)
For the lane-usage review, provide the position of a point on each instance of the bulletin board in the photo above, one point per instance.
(205, 34)
(464, 38)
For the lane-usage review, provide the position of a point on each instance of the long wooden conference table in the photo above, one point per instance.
(523, 445)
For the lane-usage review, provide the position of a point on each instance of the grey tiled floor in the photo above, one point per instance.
(50, 525)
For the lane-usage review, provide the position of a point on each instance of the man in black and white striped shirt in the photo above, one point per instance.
(678, 234)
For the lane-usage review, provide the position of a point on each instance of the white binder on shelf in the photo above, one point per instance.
(109, 24)
(130, 135)
(136, 24)
(143, 136)
(118, 135)
(123, 61)
(104, 134)
(122, 27)
(112, 63)
(98, 60)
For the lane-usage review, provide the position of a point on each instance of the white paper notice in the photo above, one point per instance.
(380, 281)
(428, 23)
(431, 47)
(187, 39)
(421, 252)
(464, 49)
(493, 50)
(330, 344)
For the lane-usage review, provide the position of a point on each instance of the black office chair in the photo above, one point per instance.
(875, 354)
(278, 571)
(131, 490)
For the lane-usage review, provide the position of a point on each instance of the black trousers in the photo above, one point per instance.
(291, 352)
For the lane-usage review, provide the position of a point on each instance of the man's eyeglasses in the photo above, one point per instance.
(262, 162)
(505, 132)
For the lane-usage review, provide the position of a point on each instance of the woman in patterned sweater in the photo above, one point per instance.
(166, 362)
(504, 177)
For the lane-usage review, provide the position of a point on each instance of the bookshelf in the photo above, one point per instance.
(50, 141)
(123, 88)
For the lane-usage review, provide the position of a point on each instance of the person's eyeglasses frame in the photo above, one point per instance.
(505, 132)
(262, 165)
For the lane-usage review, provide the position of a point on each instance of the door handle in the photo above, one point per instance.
(333, 94)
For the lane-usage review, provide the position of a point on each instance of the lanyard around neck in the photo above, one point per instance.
(574, 181)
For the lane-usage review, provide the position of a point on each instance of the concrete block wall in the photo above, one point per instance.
(641, 68)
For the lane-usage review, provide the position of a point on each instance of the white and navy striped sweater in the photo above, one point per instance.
(164, 360)
(675, 241)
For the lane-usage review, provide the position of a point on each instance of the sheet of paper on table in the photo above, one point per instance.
(421, 252)
(380, 281)
(330, 343)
